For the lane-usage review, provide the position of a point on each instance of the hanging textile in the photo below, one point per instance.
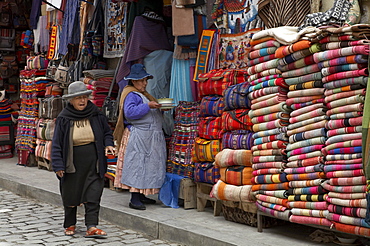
(115, 28)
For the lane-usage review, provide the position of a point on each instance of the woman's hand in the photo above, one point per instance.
(60, 173)
(110, 150)
(153, 104)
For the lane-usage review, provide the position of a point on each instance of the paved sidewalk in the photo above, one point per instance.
(26, 221)
(187, 227)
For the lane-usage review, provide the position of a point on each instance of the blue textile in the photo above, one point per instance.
(180, 89)
(169, 193)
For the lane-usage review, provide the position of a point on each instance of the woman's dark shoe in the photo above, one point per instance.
(138, 207)
(147, 200)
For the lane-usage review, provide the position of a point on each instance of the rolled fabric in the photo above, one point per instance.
(305, 176)
(306, 109)
(308, 205)
(345, 88)
(305, 143)
(268, 165)
(295, 56)
(266, 44)
(275, 193)
(305, 156)
(306, 61)
(362, 80)
(343, 156)
(331, 54)
(291, 101)
(343, 138)
(349, 143)
(272, 199)
(305, 183)
(267, 152)
(273, 206)
(345, 94)
(303, 78)
(262, 39)
(305, 162)
(346, 173)
(345, 101)
(262, 52)
(326, 71)
(341, 167)
(346, 196)
(301, 71)
(333, 124)
(345, 150)
(281, 107)
(344, 130)
(307, 122)
(346, 115)
(234, 157)
(275, 213)
(348, 181)
(289, 49)
(351, 59)
(263, 66)
(269, 125)
(356, 107)
(310, 220)
(266, 171)
(270, 102)
(336, 38)
(345, 211)
(308, 115)
(264, 73)
(351, 161)
(308, 169)
(360, 203)
(223, 191)
(345, 75)
(305, 150)
(306, 92)
(270, 187)
(343, 44)
(308, 198)
(352, 229)
(271, 145)
(271, 138)
(320, 132)
(266, 91)
(265, 97)
(310, 212)
(269, 117)
(266, 78)
(306, 85)
(269, 179)
(261, 59)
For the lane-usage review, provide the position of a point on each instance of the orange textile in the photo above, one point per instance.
(283, 51)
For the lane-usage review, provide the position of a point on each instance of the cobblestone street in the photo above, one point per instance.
(29, 222)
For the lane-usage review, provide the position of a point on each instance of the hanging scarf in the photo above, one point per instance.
(118, 131)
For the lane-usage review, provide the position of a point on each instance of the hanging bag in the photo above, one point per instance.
(61, 74)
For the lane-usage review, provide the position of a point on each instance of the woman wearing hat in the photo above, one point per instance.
(142, 150)
(82, 139)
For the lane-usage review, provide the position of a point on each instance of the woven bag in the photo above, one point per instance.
(206, 172)
(236, 96)
(237, 119)
(238, 139)
(211, 106)
(210, 127)
(205, 150)
(236, 175)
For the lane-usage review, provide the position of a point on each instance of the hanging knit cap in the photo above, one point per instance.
(138, 72)
(77, 88)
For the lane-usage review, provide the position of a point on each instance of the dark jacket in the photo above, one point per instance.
(61, 142)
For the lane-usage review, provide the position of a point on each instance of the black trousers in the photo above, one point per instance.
(91, 215)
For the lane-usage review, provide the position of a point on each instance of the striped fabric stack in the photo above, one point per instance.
(99, 81)
(182, 140)
(235, 160)
(344, 68)
(306, 133)
(269, 115)
(6, 129)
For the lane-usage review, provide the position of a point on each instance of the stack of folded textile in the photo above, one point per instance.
(344, 59)
(6, 129)
(182, 141)
(306, 132)
(269, 115)
(99, 81)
